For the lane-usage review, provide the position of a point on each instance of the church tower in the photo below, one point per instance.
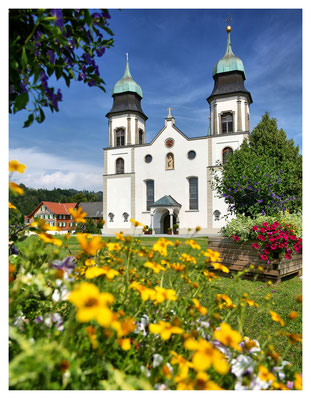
(229, 101)
(126, 117)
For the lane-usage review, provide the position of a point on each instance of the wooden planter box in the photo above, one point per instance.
(238, 256)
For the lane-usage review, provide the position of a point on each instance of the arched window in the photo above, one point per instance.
(170, 161)
(119, 166)
(227, 123)
(227, 151)
(140, 136)
(120, 137)
(193, 193)
(149, 193)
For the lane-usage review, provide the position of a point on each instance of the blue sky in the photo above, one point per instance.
(171, 54)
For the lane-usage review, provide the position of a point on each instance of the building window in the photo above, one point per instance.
(148, 158)
(191, 154)
(170, 161)
(119, 166)
(193, 193)
(111, 217)
(149, 194)
(140, 136)
(169, 142)
(227, 123)
(120, 137)
(227, 151)
(125, 216)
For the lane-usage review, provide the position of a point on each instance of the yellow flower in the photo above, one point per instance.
(212, 255)
(193, 244)
(47, 238)
(92, 304)
(201, 309)
(183, 366)
(227, 336)
(42, 226)
(145, 293)
(275, 317)
(260, 268)
(210, 275)
(165, 329)
(120, 236)
(154, 266)
(94, 272)
(265, 375)
(91, 331)
(187, 258)
(90, 247)
(206, 356)
(224, 301)
(78, 215)
(177, 266)
(89, 262)
(203, 382)
(198, 228)
(125, 344)
(293, 337)
(223, 268)
(124, 327)
(161, 246)
(16, 166)
(15, 188)
(298, 381)
(114, 246)
(12, 206)
(135, 223)
(162, 294)
(293, 315)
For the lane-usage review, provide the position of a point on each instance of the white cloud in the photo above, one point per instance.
(51, 171)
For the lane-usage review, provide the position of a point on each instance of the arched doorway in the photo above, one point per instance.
(165, 222)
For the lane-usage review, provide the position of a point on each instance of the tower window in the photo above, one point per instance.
(140, 136)
(119, 166)
(120, 137)
(227, 151)
(111, 217)
(193, 193)
(149, 193)
(227, 123)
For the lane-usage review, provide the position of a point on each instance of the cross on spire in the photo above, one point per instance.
(228, 19)
(169, 112)
(127, 56)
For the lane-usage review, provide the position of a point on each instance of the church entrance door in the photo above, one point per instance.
(166, 223)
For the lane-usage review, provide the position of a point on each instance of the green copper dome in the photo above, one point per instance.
(229, 62)
(127, 83)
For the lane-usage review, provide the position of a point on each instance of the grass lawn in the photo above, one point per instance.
(256, 320)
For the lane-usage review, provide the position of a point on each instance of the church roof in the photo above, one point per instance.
(94, 209)
(229, 62)
(127, 83)
(166, 201)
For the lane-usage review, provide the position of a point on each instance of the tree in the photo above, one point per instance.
(264, 175)
(45, 43)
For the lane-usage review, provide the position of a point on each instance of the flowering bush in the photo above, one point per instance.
(276, 241)
(117, 315)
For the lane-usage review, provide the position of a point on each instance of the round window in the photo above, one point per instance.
(148, 158)
(191, 154)
(169, 142)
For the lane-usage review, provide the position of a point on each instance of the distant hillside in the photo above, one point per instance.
(32, 197)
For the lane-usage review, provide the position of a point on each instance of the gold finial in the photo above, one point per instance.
(228, 19)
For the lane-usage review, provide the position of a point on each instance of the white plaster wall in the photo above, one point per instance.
(118, 202)
(173, 182)
(219, 143)
(113, 154)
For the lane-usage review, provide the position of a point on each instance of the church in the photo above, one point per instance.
(165, 184)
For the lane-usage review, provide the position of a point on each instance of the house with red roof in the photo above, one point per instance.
(54, 214)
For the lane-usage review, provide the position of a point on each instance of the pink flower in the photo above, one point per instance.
(265, 224)
(262, 230)
(264, 257)
(288, 256)
(262, 238)
(236, 238)
(255, 245)
(255, 227)
(274, 247)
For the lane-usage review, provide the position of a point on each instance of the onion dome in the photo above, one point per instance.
(229, 62)
(127, 83)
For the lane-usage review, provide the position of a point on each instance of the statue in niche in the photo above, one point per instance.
(170, 161)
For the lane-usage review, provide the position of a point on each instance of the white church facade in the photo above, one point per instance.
(167, 181)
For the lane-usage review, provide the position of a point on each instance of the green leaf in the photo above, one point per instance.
(40, 118)
(20, 102)
(29, 121)
(24, 59)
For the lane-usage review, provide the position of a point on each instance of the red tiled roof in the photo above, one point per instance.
(59, 208)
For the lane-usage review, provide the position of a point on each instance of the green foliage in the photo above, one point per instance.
(264, 175)
(45, 43)
(242, 225)
(32, 197)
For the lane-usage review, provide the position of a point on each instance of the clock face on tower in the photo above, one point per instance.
(169, 142)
